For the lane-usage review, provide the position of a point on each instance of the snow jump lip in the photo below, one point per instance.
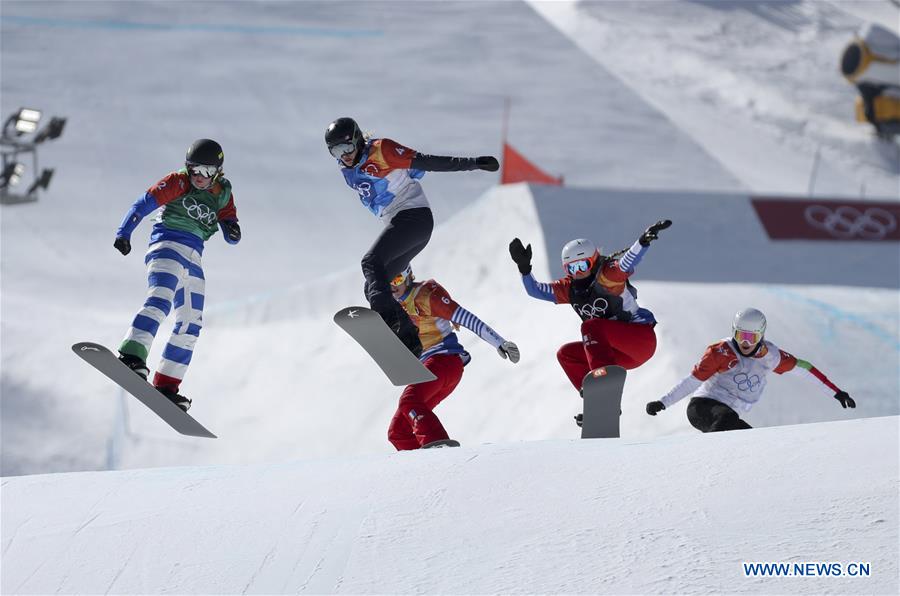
(733, 238)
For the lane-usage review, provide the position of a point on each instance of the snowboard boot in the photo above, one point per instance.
(404, 329)
(176, 398)
(136, 364)
(441, 443)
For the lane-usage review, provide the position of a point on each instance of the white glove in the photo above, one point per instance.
(510, 350)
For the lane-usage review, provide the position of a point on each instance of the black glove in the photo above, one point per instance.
(845, 399)
(232, 231)
(654, 407)
(488, 163)
(123, 245)
(521, 256)
(652, 232)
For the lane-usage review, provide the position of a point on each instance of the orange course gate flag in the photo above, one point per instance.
(516, 168)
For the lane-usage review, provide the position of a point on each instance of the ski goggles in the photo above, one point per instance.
(752, 337)
(341, 149)
(400, 279)
(203, 170)
(578, 266)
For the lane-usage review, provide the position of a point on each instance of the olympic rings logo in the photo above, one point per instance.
(849, 222)
(364, 189)
(746, 382)
(594, 310)
(199, 211)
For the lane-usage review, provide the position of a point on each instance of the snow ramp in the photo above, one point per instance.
(676, 515)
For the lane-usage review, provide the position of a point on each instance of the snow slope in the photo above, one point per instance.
(680, 111)
(675, 515)
(756, 83)
(272, 375)
(317, 394)
(274, 76)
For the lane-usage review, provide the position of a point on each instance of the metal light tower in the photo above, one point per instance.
(13, 145)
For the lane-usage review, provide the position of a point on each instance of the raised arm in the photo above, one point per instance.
(630, 259)
(521, 256)
(443, 306)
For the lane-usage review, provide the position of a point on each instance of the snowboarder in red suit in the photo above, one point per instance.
(614, 329)
(437, 316)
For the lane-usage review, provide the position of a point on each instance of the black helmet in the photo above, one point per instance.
(204, 152)
(343, 136)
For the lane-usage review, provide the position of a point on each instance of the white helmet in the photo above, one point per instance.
(577, 250)
(749, 324)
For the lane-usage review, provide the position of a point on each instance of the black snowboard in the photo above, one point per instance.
(441, 443)
(602, 390)
(106, 362)
(369, 330)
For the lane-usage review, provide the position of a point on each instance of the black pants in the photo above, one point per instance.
(404, 237)
(710, 416)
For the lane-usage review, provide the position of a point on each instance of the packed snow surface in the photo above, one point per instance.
(677, 514)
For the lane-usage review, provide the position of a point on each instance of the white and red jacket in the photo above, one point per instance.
(726, 375)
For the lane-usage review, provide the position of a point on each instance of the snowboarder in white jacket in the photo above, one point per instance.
(731, 377)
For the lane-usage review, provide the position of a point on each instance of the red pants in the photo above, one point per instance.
(414, 424)
(605, 342)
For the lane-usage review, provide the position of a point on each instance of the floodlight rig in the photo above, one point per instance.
(12, 145)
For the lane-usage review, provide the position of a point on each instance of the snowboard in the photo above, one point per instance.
(441, 443)
(370, 331)
(602, 389)
(108, 363)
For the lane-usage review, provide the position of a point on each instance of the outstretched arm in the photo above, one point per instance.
(805, 370)
(521, 256)
(442, 163)
(631, 258)
(686, 387)
(713, 361)
(468, 320)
